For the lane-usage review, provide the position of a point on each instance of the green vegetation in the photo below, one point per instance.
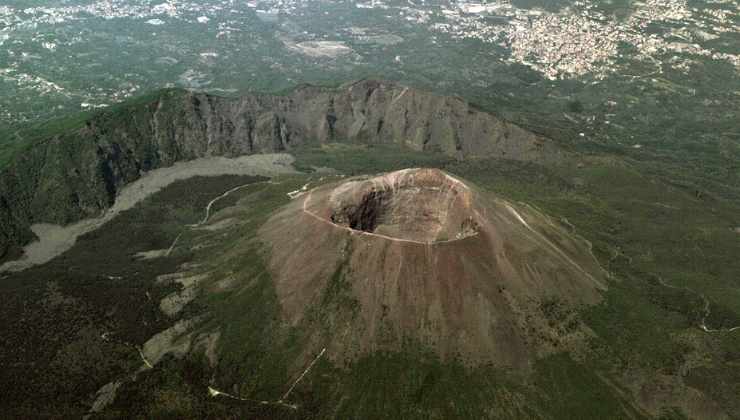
(569, 390)
(642, 326)
(665, 246)
(54, 315)
(663, 229)
(15, 142)
(656, 190)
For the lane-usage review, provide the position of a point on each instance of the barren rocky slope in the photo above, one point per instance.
(77, 172)
(418, 255)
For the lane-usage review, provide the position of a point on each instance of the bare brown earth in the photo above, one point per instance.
(417, 256)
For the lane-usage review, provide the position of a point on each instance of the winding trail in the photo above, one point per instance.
(707, 311)
(106, 394)
(106, 336)
(298, 192)
(212, 202)
(557, 250)
(208, 210)
(213, 392)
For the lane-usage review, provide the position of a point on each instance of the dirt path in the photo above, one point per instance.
(212, 202)
(54, 239)
(554, 247)
(707, 312)
(298, 192)
(213, 392)
(107, 393)
(144, 359)
(284, 397)
(169, 250)
(707, 309)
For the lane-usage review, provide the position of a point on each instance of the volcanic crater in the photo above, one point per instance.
(419, 256)
(415, 205)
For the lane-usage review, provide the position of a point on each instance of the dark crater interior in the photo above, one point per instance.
(421, 205)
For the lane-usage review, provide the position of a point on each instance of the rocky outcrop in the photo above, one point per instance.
(362, 112)
(77, 173)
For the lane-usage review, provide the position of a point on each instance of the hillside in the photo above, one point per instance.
(77, 172)
(191, 303)
(360, 273)
(420, 256)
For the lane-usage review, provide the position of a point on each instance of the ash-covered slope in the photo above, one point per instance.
(75, 173)
(418, 256)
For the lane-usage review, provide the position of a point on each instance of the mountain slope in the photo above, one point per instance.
(77, 173)
(116, 303)
(426, 258)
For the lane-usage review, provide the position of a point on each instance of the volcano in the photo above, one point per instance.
(419, 257)
(419, 206)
